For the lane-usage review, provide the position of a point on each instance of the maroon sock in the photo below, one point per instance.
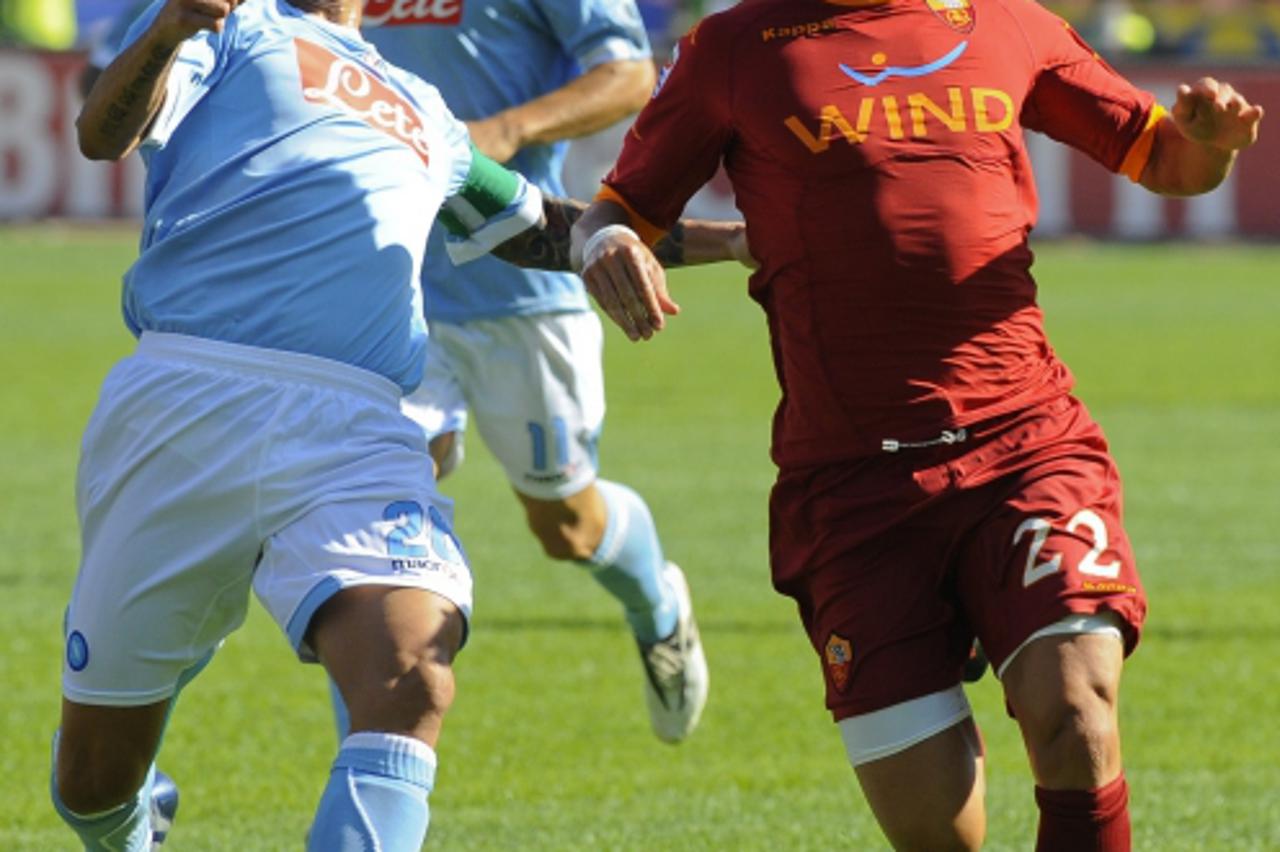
(1084, 820)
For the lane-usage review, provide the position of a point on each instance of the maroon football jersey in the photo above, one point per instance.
(877, 154)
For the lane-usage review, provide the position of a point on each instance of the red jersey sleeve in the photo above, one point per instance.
(678, 139)
(1078, 99)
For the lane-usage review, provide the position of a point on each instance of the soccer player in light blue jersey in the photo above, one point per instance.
(255, 439)
(528, 75)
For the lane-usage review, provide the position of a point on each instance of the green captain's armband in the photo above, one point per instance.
(490, 189)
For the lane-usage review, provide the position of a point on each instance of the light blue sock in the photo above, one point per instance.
(376, 797)
(126, 828)
(629, 563)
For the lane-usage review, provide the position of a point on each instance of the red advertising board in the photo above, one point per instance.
(42, 173)
(1076, 196)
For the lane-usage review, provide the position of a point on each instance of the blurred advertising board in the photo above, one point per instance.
(43, 175)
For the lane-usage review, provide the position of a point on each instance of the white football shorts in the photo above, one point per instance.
(535, 386)
(208, 468)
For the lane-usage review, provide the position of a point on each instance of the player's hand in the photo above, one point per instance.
(181, 19)
(628, 283)
(497, 137)
(1215, 114)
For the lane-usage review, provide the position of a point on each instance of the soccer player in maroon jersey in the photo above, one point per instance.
(937, 481)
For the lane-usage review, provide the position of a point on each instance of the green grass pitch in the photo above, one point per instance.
(1177, 352)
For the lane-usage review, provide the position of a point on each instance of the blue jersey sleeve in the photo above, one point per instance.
(597, 31)
(194, 71)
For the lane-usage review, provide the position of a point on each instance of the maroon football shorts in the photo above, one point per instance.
(898, 561)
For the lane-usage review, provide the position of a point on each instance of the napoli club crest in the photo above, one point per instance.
(839, 659)
(958, 14)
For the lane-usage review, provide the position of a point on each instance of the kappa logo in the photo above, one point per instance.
(331, 80)
(839, 658)
(395, 13)
(809, 30)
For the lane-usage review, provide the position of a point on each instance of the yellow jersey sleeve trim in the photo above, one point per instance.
(645, 229)
(1140, 151)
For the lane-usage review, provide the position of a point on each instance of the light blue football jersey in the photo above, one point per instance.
(486, 56)
(292, 178)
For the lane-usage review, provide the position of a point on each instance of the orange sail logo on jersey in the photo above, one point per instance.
(958, 14)
(839, 658)
(338, 82)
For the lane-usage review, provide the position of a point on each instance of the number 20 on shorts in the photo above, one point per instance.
(405, 537)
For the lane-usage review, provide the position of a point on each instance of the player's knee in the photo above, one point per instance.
(428, 687)
(563, 543)
(87, 784)
(571, 537)
(1073, 737)
(413, 703)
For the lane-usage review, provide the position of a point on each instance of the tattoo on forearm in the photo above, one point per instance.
(670, 249)
(118, 112)
(546, 247)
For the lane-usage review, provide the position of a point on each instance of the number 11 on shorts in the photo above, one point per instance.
(538, 436)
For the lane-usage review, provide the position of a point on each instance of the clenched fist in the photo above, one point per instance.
(181, 19)
(1214, 113)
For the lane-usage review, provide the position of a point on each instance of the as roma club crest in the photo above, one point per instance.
(839, 659)
(958, 14)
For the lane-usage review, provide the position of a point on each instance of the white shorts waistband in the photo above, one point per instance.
(276, 363)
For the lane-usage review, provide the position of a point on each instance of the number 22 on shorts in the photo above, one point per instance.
(1039, 528)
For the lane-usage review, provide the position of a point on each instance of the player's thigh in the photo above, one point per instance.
(1051, 555)
(377, 588)
(390, 651)
(1063, 688)
(168, 543)
(536, 390)
(1074, 664)
(103, 753)
(930, 796)
(388, 533)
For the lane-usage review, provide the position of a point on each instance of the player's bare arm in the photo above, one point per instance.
(1196, 144)
(602, 96)
(129, 93)
(621, 272)
(690, 242)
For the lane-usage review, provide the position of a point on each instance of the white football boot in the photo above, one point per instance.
(676, 669)
(164, 807)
